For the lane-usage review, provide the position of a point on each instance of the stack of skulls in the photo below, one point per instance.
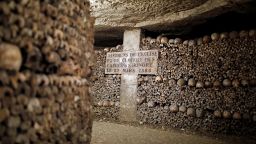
(105, 88)
(211, 81)
(46, 54)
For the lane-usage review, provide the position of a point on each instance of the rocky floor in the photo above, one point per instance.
(110, 133)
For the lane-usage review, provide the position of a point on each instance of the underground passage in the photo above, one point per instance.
(127, 72)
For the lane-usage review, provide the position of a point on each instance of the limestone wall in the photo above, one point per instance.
(46, 51)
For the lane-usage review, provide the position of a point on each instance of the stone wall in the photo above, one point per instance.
(46, 51)
(205, 84)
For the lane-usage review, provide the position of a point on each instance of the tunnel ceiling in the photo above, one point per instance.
(175, 16)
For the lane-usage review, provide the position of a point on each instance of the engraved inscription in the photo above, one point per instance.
(138, 62)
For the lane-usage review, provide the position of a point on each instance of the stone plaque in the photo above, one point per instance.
(128, 62)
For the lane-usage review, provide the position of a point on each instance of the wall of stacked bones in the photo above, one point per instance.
(105, 89)
(205, 84)
(46, 50)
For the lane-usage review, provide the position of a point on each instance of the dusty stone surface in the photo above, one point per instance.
(128, 13)
(112, 17)
(109, 133)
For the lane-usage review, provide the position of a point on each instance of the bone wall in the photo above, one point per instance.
(206, 84)
(105, 88)
(46, 51)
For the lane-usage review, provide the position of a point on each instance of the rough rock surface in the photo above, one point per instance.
(112, 17)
